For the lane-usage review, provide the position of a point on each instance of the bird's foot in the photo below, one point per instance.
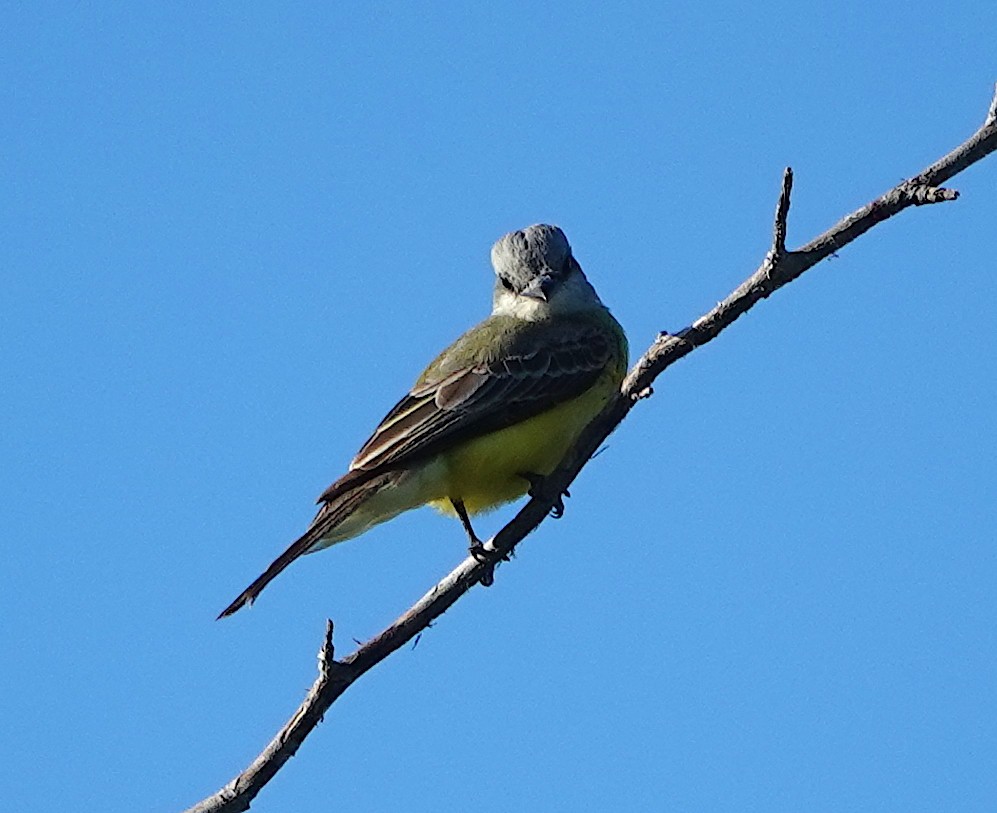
(489, 558)
(537, 482)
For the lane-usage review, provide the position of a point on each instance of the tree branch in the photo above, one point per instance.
(777, 269)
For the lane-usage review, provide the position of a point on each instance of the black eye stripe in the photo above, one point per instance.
(505, 283)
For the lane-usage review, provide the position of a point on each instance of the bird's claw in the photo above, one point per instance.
(536, 482)
(488, 558)
(557, 510)
(483, 556)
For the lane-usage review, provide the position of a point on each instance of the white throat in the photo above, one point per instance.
(573, 295)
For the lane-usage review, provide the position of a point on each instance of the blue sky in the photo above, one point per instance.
(231, 237)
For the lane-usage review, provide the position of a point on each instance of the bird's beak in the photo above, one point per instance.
(538, 288)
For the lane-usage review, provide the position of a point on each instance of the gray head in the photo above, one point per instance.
(537, 274)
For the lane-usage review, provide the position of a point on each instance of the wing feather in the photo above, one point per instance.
(534, 372)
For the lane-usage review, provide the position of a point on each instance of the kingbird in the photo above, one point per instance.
(493, 413)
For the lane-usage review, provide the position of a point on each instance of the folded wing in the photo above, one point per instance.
(537, 370)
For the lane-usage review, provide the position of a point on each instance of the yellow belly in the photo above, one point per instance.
(485, 472)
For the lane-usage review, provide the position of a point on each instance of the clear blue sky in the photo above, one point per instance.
(231, 237)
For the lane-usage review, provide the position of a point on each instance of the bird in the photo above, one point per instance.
(491, 415)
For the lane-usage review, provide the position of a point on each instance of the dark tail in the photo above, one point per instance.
(331, 514)
(248, 596)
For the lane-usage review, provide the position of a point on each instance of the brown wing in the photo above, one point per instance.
(537, 371)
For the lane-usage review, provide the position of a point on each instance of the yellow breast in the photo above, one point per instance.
(486, 472)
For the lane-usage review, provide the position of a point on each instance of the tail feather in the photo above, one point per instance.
(330, 515)
(248, 596)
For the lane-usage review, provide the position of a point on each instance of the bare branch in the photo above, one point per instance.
(777, 269)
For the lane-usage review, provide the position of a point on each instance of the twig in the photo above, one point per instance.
(332, 681)
(782, 216)
(779, 268)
